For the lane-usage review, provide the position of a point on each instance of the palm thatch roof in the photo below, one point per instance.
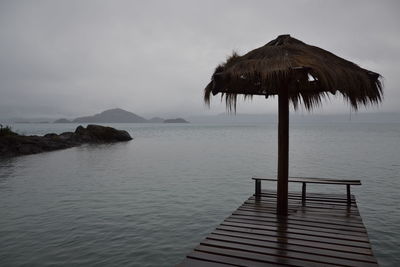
(310, 74)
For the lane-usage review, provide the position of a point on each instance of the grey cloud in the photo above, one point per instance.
(80, 57)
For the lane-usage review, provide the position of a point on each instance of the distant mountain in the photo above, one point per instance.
(156, 120)
(177, 120)
(62, 121)
(116, 115)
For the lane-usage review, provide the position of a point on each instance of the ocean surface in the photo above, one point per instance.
(149, 202)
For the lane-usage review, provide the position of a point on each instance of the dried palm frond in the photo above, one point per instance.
(308, 72)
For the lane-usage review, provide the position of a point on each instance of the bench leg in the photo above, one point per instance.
(258, 188)
(303, 194)
(348, 194)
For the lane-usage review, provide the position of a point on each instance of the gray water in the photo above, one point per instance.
(150, 201)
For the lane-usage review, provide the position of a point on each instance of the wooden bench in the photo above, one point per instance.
(308, 180)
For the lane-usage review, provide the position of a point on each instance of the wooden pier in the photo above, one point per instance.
(326, 230)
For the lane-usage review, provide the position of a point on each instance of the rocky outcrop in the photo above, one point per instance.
(14, 144)
(100, 134)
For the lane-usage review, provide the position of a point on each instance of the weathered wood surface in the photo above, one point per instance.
(325, 232)
(309, 180)
(282, 187)
(312, 180)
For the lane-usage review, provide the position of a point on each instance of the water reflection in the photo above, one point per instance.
(7, 170)
(150, 201)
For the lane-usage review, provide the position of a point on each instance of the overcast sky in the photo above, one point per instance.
(70, 58)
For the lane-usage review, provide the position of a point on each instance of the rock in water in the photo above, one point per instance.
(98, 134)
(15, 144)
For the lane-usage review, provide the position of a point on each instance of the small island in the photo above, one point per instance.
(13, 144)
(177, 120)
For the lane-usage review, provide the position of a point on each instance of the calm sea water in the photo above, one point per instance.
(150, 201)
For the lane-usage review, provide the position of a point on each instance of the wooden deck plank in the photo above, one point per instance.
(312, 244)
(324, 232)
(295, 236)
(193, 262)
(287, 230)
(291, 247)
(206, 257)
(257, 257)
(295, 223)
(312, 205)
(323, 211)
(300, 218)
(297, 227)
(295, 255)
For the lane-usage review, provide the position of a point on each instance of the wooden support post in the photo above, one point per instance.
(258, 188)
(348, 194)
(283, 151)
(303, 194)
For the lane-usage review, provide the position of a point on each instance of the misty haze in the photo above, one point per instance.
(199, 133)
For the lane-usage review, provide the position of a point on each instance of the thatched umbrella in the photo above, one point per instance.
(296, 72)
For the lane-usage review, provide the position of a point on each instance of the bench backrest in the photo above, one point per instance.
(314, 180)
